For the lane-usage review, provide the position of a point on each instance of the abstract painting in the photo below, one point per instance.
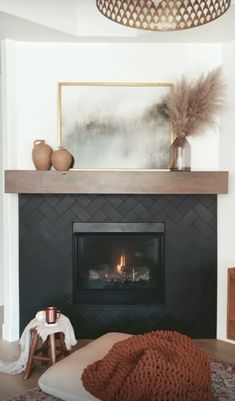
(114, 125)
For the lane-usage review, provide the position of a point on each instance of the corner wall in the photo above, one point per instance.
(10, 237)
(1, 196)
(226, 204)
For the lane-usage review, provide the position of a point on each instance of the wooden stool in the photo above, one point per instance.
(48, 350)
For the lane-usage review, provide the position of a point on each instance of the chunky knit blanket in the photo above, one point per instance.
(158, 366)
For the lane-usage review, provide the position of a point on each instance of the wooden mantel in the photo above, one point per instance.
(116, 182)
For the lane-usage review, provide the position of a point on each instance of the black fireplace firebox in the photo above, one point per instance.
(118, 263)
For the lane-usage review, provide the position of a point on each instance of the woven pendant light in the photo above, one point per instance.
(165, 15)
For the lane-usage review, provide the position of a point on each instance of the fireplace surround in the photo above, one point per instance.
(190, 278)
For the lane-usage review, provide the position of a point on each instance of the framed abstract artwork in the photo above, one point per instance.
(114, 125)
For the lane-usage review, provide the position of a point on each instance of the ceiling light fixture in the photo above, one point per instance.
(163, 15)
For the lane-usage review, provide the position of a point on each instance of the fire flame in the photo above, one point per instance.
(121, 264)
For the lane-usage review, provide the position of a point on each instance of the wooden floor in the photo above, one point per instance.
(218, 350)
(11, 385)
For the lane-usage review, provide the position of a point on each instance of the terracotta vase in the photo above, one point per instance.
(41, 155)
(180, 155)
(61, 159)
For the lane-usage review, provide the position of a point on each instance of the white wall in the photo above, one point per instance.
(10, 254)
(226, 205)
(1, 195)
(41, 66)
(57, 14)
(30, 75)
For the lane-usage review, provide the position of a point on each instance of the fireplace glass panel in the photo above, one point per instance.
(118, 262)
(127, 260)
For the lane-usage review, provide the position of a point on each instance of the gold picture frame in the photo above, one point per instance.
(114, 126)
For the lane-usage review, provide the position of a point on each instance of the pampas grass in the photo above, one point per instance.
(194, 105)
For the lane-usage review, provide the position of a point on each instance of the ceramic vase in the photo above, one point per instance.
(180, 155)
(61, 159)
(41, 155)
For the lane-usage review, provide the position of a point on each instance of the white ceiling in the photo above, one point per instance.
(80, 21)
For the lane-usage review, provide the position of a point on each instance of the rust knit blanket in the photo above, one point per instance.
(158, 366)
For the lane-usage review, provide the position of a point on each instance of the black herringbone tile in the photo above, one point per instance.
(130, 217)
(65, 204)
(145, 201)
(23, 200)
(80, 212)
(190, 264)
(206, 200)
(127, 205)
(187, 204)
(203, 212)
(31, 206)
(175, 200)
(202, 227)
(213, 208)
(65, 219)
(83, 200)
(115, 200)
(142, 212)
(111, 212)
(188, 219)
(172, 213)
(52, 200)
(99, 217)
(158, 205)
(96, 205)
(48, 211)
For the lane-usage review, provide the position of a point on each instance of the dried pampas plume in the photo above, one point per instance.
(194, 105)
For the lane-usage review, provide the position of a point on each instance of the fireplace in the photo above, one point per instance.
(185, 275)
(118, 263)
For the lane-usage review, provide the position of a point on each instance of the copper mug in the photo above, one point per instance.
(52, 314)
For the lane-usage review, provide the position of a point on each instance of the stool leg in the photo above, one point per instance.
(45, 350)
(52, 348)
(62, 345)
(34, 342)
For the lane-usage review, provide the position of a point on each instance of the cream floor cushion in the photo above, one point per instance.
(63, 380)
